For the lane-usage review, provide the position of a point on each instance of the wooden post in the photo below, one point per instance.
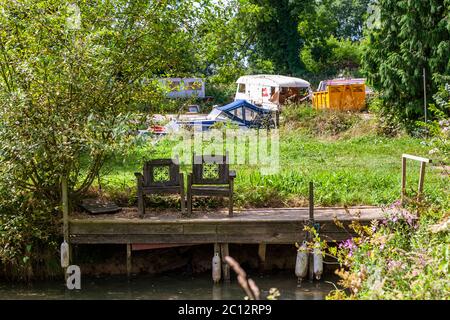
(189, 194)
(403, 192)
(216, 248)
(311, 223)
(423, 162)
(65, 207)
(140, 196)
(421, 179)
(311, 201)
(224, 250)
(128, 260)
(230, 200)
(65, 204)
(182, 197)
(262, 256)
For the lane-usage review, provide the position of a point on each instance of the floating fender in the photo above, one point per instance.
(301, 264)
(64, 254)
(318, 261)
(216, 268)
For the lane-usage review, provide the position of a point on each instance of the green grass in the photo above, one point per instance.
(362, 170)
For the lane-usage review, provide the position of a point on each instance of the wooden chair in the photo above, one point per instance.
(160, 176)
(211, 177)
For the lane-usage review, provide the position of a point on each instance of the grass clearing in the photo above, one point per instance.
(347, 169)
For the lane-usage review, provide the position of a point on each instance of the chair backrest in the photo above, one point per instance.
(161, 173)
(210, 169)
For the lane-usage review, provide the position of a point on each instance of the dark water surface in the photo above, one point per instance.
(167, 287)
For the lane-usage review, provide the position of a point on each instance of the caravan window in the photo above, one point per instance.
(174, 86)
(241, 88)
(194, 85)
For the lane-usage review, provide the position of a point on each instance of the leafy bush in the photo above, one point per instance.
(399, 258)
(222, 93)
(28, 229)
(439, 128)
(388, 123)
(66, 93)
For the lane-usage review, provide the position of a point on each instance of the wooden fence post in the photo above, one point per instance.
(423, 162)
(311, 223)
(403, 191)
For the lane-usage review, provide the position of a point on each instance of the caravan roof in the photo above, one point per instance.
(274, 80)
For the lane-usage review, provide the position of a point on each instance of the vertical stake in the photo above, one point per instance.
(65, 204)
(421, 179)
(65, 207)
(128, 260)
(311, 201)
(403, 180)
(311, 223)
(262, 248)
(224, 251)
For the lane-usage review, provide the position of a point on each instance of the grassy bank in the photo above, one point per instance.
(349, 162)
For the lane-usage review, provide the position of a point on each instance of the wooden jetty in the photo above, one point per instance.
(269, 226)
(251, 226)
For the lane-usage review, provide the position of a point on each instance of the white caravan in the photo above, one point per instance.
(271, 91)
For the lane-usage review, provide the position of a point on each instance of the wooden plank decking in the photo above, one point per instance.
(270, 226)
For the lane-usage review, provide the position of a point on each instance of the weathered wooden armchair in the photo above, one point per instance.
(160, 176)
(210, 177)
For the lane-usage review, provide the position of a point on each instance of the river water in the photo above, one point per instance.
(167, 287)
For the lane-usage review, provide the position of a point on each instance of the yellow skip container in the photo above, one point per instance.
(341, 95)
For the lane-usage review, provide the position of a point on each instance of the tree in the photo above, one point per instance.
(331, 31)
(68, 77)
(276, 36)
(410, 35)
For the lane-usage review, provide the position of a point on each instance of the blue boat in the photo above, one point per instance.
(240, 113)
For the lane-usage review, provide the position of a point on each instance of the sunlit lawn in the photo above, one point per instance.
(357, 171)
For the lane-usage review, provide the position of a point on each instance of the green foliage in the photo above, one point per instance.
(27, 233)
(388, 123)
(359, 169)
(275, 35)
(318, 122)
(332, 57)
(398, 259)
(69, 77)
(65, 92)
(410, 36)
(331, 31)
(439, 128)
(222, 93)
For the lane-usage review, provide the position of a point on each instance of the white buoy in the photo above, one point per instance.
(301, 264)
(318, 261)
(64, 254)
(216, 268)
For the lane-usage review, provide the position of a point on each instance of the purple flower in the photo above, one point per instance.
(396, 214)
(349, 245)
(393, 264)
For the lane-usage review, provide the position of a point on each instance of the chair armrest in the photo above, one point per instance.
(232, 174)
